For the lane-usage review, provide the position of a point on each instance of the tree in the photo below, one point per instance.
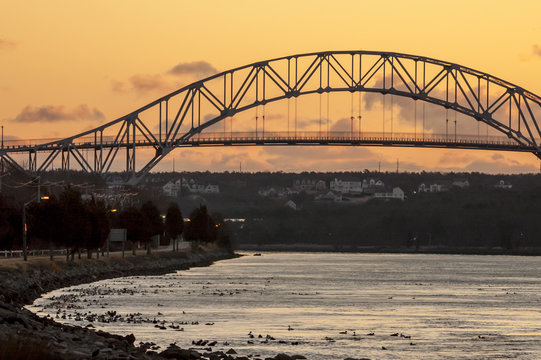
(10, 228)
(174, 223)
(46, 221)
(154, 219)
(136, 225)
(99, 224)
(77, 224)
(223, 232)
(201, 226)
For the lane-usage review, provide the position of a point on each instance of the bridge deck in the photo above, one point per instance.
(285, 138)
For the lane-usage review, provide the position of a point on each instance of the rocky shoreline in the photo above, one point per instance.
(24, 335)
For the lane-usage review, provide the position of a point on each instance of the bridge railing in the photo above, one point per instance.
(352, 136)
(288, 136)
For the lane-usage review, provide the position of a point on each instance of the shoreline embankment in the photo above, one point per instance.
(24, 335)
(427, 250)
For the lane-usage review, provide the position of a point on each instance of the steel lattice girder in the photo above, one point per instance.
(446, 84)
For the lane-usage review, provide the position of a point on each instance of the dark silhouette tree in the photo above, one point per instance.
(201, 226)
(174, 223)
(136, 225)
(10, 228)
(45, 221)
(77, 225)
(99, 224)
(223, 231)
(154, 220)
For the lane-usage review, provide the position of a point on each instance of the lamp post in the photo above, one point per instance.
(25, 227)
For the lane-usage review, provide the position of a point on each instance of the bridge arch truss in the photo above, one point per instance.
(182, 117)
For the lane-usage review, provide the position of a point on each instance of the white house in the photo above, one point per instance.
(371, 186)
(503, 185)
(423, 188)
(290, 204)
(329, 196)
(212, 189)
(346, 187)
(272, 192)
(308, 185)
(461, 183)
(397, 193)
(171, 189)
(321, 185)
(192, 187)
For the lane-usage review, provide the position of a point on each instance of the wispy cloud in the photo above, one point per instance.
(167, 81)
(194, 68)
(54, 113)
(145, 83)
(141, 84)
(536, 50)
(7, 44)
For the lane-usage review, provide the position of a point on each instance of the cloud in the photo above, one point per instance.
(500, 167)
(54, 113)
(142, 84)
(7, 44)
(536, 50)
(414, 113)
(194, 68)
(145, 83)
(118, 86)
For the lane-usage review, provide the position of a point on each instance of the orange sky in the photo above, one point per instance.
(87, 62)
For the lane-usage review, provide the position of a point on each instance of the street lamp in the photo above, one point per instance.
(25, 227)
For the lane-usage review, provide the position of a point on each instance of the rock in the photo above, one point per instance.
(130, 339)
(174, 352)
(283, 357)
(298, 357)
(231, 351)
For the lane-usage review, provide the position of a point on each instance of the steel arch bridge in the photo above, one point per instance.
(182, 116)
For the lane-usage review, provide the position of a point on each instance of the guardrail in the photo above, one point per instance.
(19, 253)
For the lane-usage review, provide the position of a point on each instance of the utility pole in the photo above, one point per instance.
(25, 228)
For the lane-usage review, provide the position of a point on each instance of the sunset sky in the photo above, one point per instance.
(68, 66)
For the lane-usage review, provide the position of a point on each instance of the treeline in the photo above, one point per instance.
(67, 222)
(503, 219)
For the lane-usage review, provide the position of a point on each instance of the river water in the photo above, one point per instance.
(437, 306)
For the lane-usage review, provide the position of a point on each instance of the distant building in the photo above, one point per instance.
(290, 204)
(461, 183)
(212, 189)
(438, 187)
(309, 185)
(194, 188)
(321, 185)
(346, 187)
(503, 185)
(423, 188)
(171, 189)
(272, 191)
(329, 196)
(372, 186)
(174, 189)
(397, 193)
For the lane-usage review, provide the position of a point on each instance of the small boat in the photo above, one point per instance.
(257, 254)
